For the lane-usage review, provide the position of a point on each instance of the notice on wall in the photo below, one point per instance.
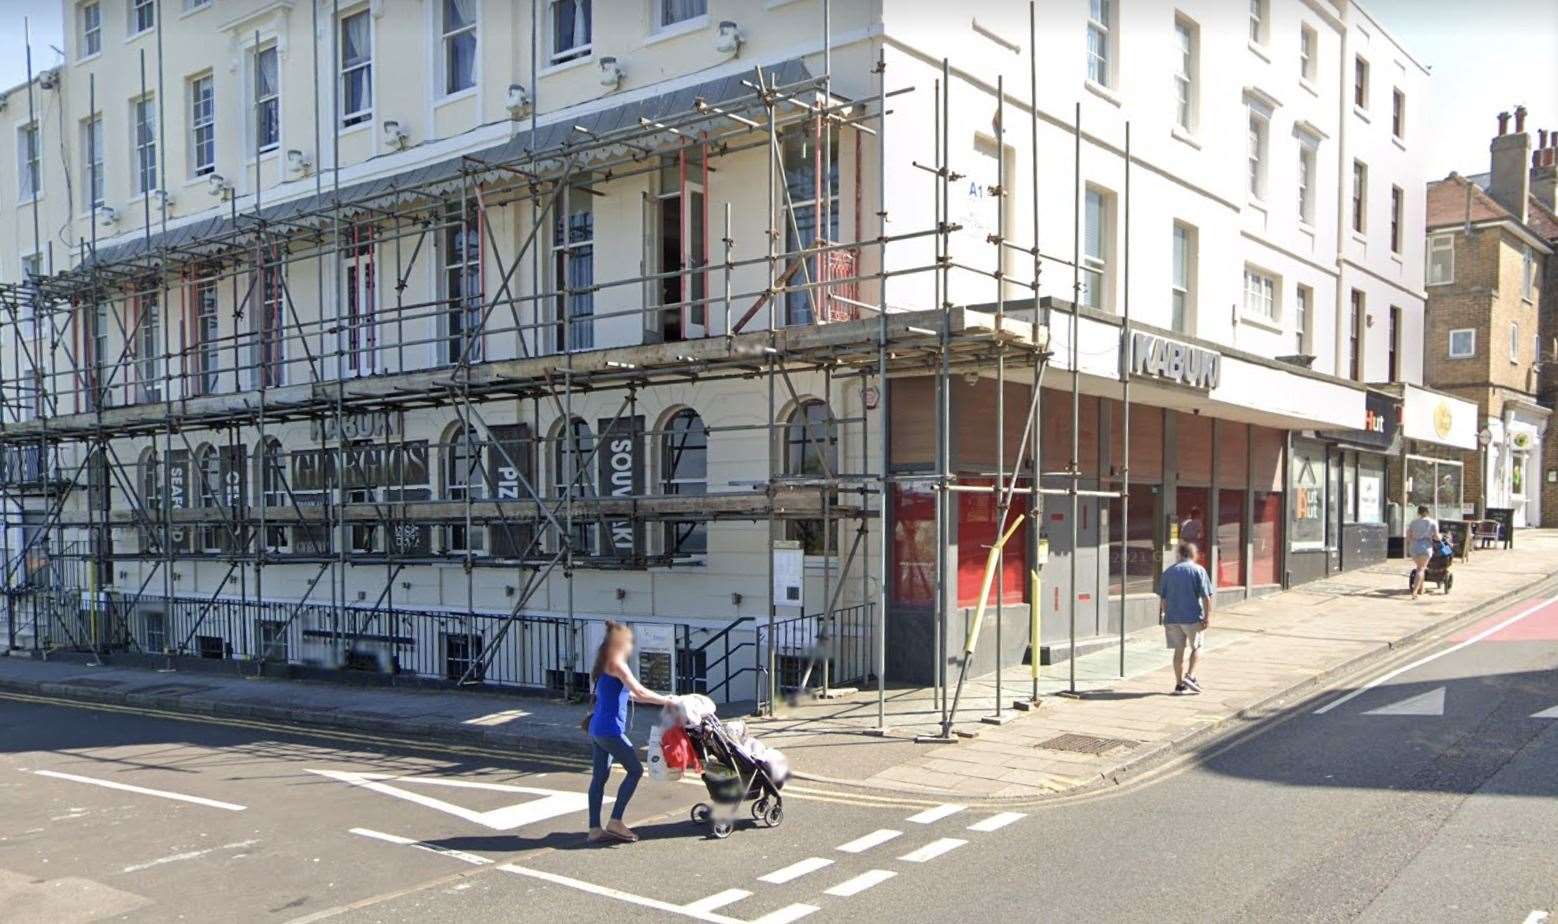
(620, 460)
(789, 573)
(656, 656)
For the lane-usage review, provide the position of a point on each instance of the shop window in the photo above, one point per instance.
(1230, 537)
(1266, 535)
(914, 545)
(1141, 554)
(811, 450)
(1191, 506)
(684, 463)
(1371, 489)
(1309, 480)
(978, 530)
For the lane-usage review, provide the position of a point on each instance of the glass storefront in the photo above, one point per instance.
(1435, 484)
(1309, 484)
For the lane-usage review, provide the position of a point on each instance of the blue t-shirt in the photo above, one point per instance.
(1183, 586)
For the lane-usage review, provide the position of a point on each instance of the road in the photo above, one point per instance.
(1429, 792)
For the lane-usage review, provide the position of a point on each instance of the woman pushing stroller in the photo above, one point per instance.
(612, 684)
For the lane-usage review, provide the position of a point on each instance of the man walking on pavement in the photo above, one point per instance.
(1185, 609)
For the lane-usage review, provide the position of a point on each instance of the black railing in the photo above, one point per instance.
(844, 645)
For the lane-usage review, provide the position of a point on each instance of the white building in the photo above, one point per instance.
(1272, 207)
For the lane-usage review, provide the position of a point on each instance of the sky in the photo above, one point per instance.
(1486, 56)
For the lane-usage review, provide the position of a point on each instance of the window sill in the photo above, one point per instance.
(1444, 282)
(1258, 50)
(1307, 226)
(675, 29)
(1181, 135)
(356, 127)
(455, 97)
(559, 67)
(1398, 141)
(141, 34)
(1361, 113)
(88, 58)
(197, 9)
(1103, 92)
(1359, 237)
(1265, 324)
(1309, 86)
(1257, 203)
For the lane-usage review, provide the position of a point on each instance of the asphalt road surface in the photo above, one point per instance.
(1428, 792)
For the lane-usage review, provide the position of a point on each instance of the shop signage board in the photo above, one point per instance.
(1168, 360)
(1381, 424)
(356, 425)
(368, 466)
(789, 571)
(656, 656)
(620, 461)
(511, 468)
(1434, 418)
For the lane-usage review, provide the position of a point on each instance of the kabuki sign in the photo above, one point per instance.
(1172, 361)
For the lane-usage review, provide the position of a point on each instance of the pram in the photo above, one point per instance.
(732, 777)
(1440, 560)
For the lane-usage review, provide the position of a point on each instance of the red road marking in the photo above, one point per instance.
(1541, 626)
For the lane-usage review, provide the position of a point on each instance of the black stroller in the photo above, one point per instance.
(1440, 560)
(732, 778)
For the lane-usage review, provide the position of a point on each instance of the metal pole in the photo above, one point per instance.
(1125, 405)
(1076, 397)
(1002, 497)
(1035, 502)
(947, 577)
(884, 516)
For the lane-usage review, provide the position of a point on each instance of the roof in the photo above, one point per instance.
(550, 136)
(1448, 206)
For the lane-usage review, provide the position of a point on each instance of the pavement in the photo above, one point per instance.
(1262, 655)
(1420, 790)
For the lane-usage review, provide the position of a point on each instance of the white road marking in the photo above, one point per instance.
(628, 897)
(1547, 714)
(1430, 703)
(932, 850)
(1349, 697)
(861, 882)
(461, 855)
(997, 822)
(1536, 917)
(786, 914)
(553, 802)
(862, 844)
(718, 900)
(188, 855)
(796, 870)
(936, 814)
(497, 718)
(126, 787)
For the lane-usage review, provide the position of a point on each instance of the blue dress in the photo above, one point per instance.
(610, 719)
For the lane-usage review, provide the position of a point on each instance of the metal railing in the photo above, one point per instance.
(843, 645)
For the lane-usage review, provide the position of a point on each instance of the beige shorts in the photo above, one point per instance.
(1183, 634)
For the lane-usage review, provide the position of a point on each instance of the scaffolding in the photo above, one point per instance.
(71, 411)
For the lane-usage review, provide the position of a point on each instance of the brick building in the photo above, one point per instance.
(1490, 276)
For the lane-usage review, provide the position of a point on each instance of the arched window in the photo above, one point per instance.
(810, 450)
(208, 468)
(272, 479)
(684, 469)
(464, 477)
(572, 468)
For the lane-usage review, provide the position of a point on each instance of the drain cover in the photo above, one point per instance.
(1083, 744)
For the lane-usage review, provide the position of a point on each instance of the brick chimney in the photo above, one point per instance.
(1544, 170)
(1510, 180)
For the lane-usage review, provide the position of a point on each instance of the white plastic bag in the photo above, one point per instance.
(657, 768)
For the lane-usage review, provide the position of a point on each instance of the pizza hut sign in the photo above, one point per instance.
(1171, 361)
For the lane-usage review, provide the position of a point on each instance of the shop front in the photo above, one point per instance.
(1439, 435)
(1342, 500)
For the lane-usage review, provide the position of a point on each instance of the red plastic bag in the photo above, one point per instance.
(679, 754)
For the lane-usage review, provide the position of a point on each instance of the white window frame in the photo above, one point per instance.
(1303, 316)
(207, 353)
(1527, 273)
(89, 17)
(1262, 295)
(1440, 244)
(457, 485)
(135, 8)
(143, 150)
(1398, 220)
(257, 102)
(1100, 42)
(1096, 264)
(192, 5)
(1308, 162)
(1470, 336)
(361, 69)
(1187, 83)
(1259, 152)
(92, 156)
(1359, 201)
(149, 347)
(202, 118)
(447, 38)
(658, 15)
(1398, 113)
(29, 163)
(1260, 22)
(1308, 52)
(1182, 279)
(1360, 82)
(559, 53)
(1514, 342)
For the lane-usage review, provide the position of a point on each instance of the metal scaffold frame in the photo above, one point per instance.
(74, 430)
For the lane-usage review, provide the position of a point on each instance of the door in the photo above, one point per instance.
(1057, 591)
(681, 224)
